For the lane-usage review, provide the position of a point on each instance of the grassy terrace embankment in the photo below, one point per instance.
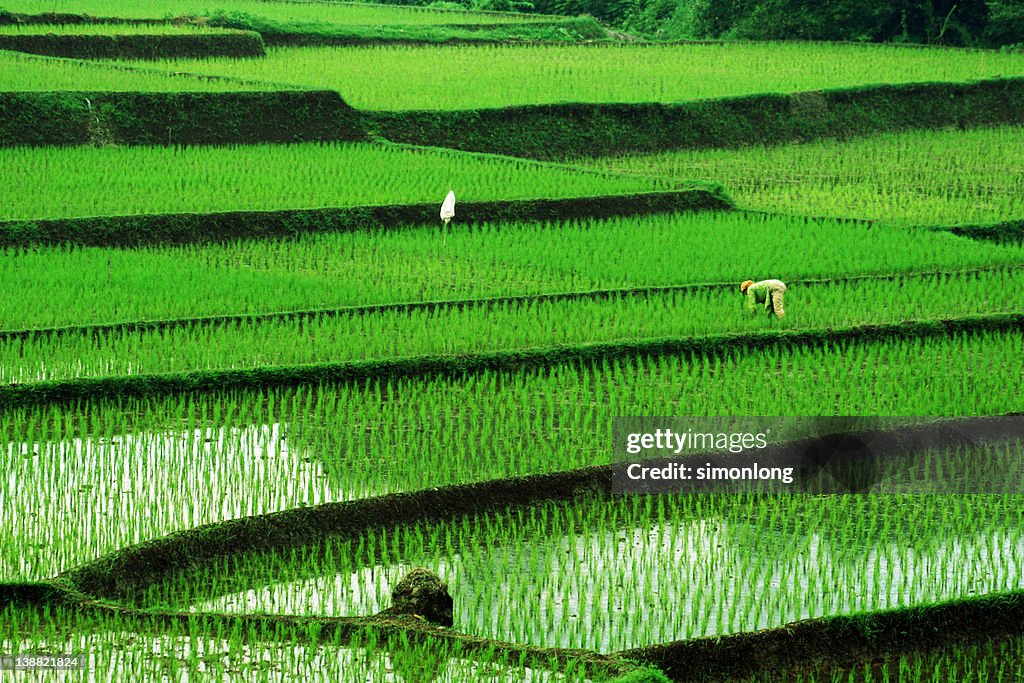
(131, 42)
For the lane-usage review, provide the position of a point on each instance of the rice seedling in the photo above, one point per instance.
(66, 182)
(633, 570)
(457, 330)
(911, 177)
(504, 75)
(109, 475)
(328, 271)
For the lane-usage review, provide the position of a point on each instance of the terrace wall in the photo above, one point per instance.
(555, 131)
(175, 118)
(234, 44)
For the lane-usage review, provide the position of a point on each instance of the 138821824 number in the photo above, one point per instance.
(38, 661)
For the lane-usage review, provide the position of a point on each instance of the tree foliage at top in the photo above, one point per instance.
(946, 22)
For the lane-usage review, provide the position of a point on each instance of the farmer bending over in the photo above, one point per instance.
(768, 293)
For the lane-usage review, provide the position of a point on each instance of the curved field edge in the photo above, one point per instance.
(217, 227)
(835, 641)
(554, 131)
(403, 307)
(515, 360)
(190, 228)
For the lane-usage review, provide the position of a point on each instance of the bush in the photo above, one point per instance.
(1006, 24)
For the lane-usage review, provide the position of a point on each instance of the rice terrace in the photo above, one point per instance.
(566, 340)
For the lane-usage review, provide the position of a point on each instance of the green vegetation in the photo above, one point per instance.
(457, 330)
(279, 33)
(934, 22)
(499, 76)
(244, 453)
(353, 354)
(332, 270)
(137, 180)
(912, 177)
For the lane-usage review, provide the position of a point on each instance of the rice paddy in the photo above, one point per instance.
(141, 180)
(320, 337)
(480, 77)
(249, 453)
(107, 29)
(532, 575)
(855, 227)
(114, 645)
